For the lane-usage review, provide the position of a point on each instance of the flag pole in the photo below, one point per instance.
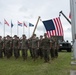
(36, 25)
(23, 27)
(4, 29)
(11, 31)
(59, 18)
(11, 28)
(29, 32)
(17, 30)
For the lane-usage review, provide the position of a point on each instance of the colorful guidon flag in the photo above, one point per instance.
(24, 24)
(5, 22)
(19, 23)
(31, 25)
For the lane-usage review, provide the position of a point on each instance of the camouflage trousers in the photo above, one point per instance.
(40, 53)
(4, 52)
(16, 53)
(1, 53)
(46, 55)
(52, 53)
(30, 49)
(56, 53)
(24, 53)
(8, 52)
(34, 53)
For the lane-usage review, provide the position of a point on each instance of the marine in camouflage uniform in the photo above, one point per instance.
(34, 47)
(52, 48)
(19, 45)
(24, 47)
(30, 46)
(11, 46)
(4, 39)
(8, 47)
(46, 47)
(56, 47)
(1, 47)
(40, 51)
(16, 46)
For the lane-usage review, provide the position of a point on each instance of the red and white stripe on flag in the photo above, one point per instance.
(58, 28)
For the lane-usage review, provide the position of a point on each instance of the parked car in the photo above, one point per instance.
(65, 46)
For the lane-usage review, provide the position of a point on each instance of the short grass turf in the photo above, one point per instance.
(58, 66)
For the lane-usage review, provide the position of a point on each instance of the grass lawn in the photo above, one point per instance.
(59, 66)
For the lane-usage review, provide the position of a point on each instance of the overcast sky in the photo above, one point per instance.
(29, 10)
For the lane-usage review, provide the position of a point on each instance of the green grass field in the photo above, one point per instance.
(59, 66)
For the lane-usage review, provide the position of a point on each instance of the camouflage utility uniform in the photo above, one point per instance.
(56, 48)
(1, 47)
(16, 47)
(34, 47)
(40, 52)
(8, 47)
(46, 48)
(52, 48)
(24, 47)
(30, 46)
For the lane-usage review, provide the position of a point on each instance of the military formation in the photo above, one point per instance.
(38, 47)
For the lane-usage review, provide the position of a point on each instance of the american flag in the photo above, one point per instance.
(58, 31)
